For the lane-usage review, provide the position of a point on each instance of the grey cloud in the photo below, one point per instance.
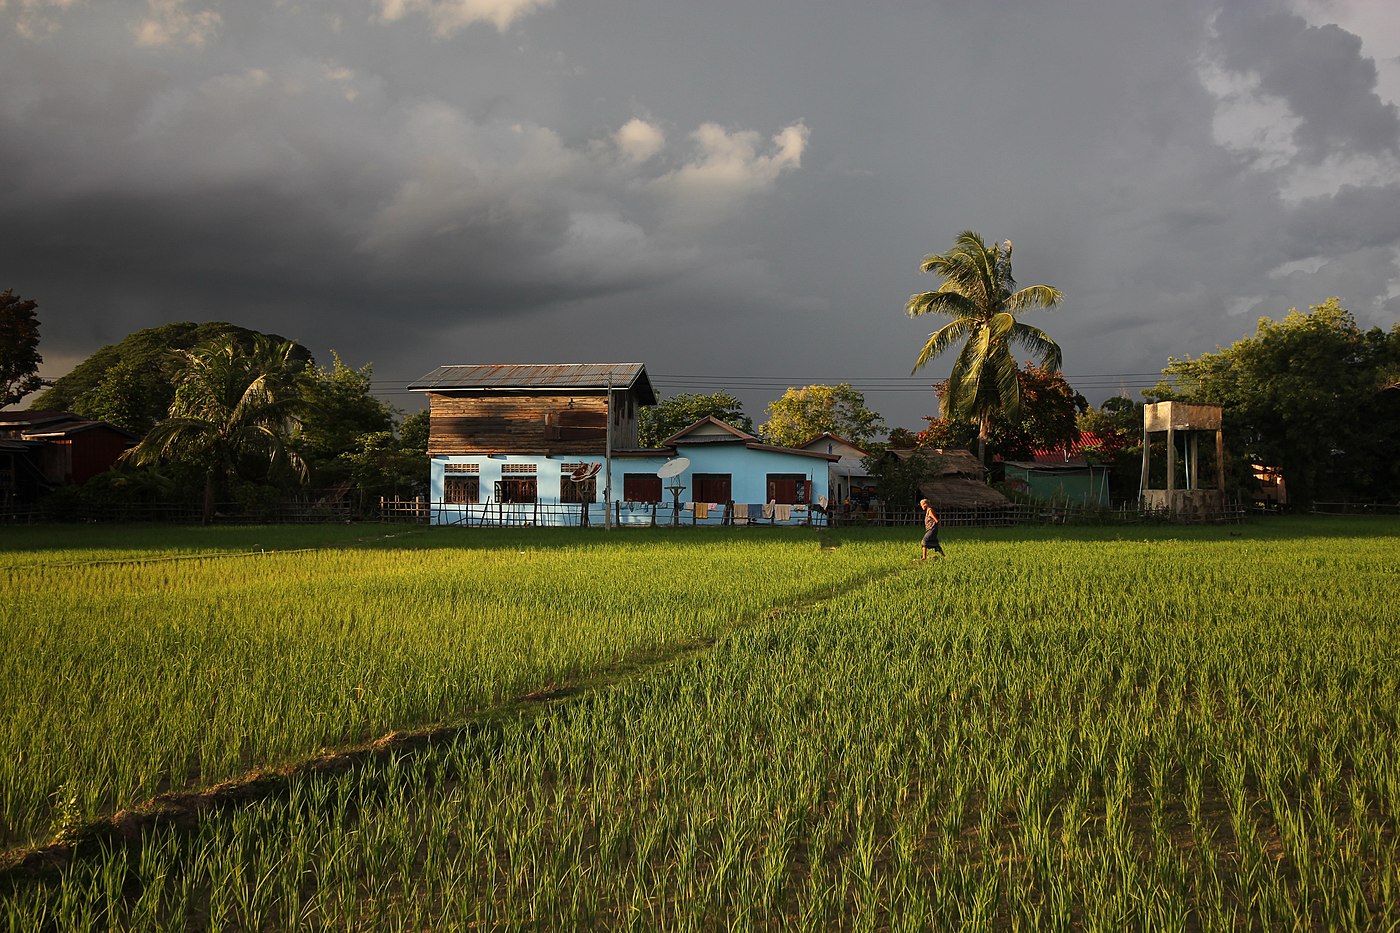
(413, 199)
(1353, 219)
(1318, 70)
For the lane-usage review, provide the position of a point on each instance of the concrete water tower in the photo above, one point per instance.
(1195, 479)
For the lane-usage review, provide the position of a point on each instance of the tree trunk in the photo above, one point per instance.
(984, 430)
(208, 497)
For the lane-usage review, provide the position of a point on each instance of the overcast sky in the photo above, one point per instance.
(736, 193)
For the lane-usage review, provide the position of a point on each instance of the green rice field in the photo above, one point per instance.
(374, 728)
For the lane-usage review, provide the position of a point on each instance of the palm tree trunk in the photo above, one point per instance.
(984, 431)
(208, 497)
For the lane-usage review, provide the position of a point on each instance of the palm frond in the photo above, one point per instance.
(173, 438)
(1034, 296)
(940, 340)
(1008, 384)
(1039, 343)
(948, 303)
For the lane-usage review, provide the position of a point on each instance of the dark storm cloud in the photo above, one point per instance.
(723, 189)
(1318, 70)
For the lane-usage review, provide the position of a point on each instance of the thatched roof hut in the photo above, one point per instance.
(955, 479)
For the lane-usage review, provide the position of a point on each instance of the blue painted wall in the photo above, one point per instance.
(748, 471)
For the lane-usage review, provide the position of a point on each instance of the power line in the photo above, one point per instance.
(882, 383)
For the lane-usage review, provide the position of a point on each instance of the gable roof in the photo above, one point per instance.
(40, 425)
(538, 377)
(692, 435)
(728, 434)
(828, 436)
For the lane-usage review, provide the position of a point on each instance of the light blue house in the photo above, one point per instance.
(555, 444)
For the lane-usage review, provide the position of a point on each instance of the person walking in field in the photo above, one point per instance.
(930, 530)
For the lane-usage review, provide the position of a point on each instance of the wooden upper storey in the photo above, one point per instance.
(534, 409)
(536, 423)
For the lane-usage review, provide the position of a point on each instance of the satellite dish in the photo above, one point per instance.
(673, 467)
(585, 471)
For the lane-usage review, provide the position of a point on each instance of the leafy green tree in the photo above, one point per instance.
(131, 383)
(802, 414)
(413, 432)
(660, 421)
(19, 348)
(902, 438)
(1307, 394)
(234, 412)
(339, 414)
(380, 464)
(1117, 425)
(980, 295)
(897, 479)
(1046, 418)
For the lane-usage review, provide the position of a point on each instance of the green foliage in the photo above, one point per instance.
(1307, 394)
(1045, 418)
(235, 408)
(1118, 425)
(902, 438)
(897, 479)
(660, 421)
(19, 348)
(979, 293)
(380, 464)
(413, 432)
(339, 412)
(802, 414)
(132, 383)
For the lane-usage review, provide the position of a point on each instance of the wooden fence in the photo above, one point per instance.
(593, 514)
(654, 514)
(225, 513)
(1356, 508)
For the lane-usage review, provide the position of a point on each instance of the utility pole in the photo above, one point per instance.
(607, 459)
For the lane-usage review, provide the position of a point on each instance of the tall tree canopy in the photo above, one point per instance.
(660, 421)
(1311, 394)
(19, 348)
(1046, 418)
(131, 383)
(980, 295)
(340, 417)
(234, 411)
(802, 414)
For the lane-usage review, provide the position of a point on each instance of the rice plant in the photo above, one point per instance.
(1049, 730)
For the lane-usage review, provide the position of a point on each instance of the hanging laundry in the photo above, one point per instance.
(782, 513)
(768, 509)
(702, 510)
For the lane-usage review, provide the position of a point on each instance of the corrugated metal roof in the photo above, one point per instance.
(537, 376)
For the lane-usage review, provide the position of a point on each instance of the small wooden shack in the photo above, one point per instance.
(1066, 481)
(45, 449)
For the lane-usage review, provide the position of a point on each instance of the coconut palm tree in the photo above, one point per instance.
(980, 295)
(236, 403)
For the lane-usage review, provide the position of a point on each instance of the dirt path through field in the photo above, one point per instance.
(127, 827)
